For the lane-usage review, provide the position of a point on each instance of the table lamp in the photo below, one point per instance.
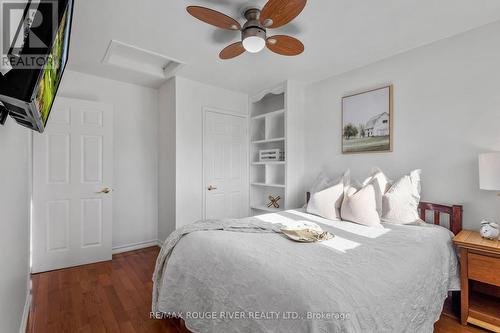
(489, 179)
(489, 171)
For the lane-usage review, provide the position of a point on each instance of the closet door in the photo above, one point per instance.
(225, 165)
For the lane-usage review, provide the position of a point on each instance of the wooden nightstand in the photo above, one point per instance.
(479, 262)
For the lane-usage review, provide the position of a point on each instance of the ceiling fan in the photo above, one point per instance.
(276, 13)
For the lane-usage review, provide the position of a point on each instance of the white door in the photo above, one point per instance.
(72, 179)
(225, 165)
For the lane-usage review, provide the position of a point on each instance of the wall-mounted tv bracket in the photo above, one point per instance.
(3, 113)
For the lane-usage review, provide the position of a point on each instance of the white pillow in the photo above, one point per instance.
(326, 203)
(400, 202)
(381, 185)
(321, 182)
(361, 206)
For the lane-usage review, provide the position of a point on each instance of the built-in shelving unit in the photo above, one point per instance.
(276, 122)
(268, 131)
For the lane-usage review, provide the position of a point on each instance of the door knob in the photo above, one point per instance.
(105, 190)
(212, 188)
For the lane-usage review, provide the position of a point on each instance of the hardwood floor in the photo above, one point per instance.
(115, 296)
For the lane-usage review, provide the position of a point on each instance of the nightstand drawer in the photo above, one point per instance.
(484, 268)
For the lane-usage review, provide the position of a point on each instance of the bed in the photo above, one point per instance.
(392, 279)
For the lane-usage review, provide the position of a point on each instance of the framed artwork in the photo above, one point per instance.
(367, 121)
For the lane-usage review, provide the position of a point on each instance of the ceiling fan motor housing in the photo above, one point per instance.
(253, 32)
(253, 27)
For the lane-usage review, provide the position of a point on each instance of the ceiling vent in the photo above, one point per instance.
(140, 66)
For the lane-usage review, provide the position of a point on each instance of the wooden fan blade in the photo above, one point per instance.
(285, 45)
(232, 51)
(280, 12)
(213, 17)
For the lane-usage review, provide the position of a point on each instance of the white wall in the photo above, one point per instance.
(135, 196)
(191, 97)
(14, 224)
(166, 162)
(446, 112)
(295, 144)
(187, 112)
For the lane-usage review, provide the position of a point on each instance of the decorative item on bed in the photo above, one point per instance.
(307, 234)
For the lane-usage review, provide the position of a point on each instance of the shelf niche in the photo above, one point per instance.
(259, 197)
(269, 103)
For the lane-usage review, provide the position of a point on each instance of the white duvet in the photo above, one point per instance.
(391, 279)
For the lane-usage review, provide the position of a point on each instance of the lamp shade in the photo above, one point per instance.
(489, 171)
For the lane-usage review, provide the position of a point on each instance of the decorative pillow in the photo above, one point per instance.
(321, 182)
(381, 184)
(400, 203)
(326, 203)
(361, 206)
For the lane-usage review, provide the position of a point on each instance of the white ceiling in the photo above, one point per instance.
(339, 35)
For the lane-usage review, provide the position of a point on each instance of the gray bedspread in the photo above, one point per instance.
(392, 279)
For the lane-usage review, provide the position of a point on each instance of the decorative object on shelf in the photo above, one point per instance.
(254, 38)
(266, 155)
(367, 121)
(273, 202)
(489, 229)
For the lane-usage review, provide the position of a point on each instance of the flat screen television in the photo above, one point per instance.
(28, 90)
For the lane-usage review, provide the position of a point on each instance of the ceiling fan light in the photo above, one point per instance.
(254, 44)
(253, 38)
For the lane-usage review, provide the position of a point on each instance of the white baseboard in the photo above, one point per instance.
(135, 246)
(26, 313)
